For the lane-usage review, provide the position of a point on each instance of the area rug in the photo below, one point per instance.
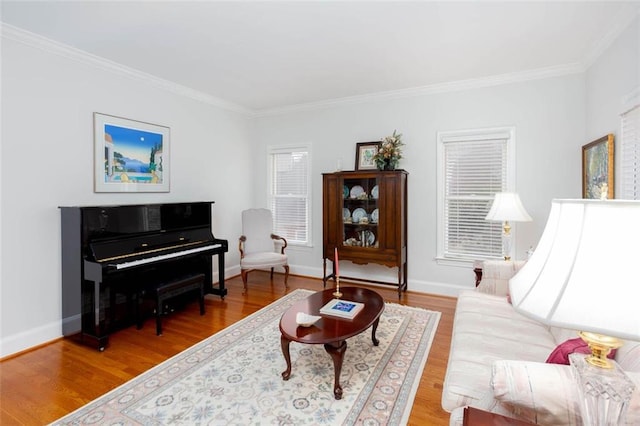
(234, 377)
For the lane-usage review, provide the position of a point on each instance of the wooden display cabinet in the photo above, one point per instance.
(365, 217)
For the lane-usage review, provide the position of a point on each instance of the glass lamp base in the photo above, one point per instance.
(604, 393)
(506, 241)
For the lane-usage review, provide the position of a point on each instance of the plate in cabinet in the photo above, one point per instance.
(374, 216)
(374, 192)
(370, 238)
(357, 191)
(358, 214)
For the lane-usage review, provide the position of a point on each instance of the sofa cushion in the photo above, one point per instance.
(487, 328)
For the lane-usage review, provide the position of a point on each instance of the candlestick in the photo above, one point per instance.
(337, 293)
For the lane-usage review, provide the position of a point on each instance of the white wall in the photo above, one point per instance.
(613, 86)
(549, 117)
(47, 161)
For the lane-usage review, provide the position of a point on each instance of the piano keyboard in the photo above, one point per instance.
(146, 260)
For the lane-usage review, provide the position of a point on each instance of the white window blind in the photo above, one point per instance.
(289, 195)
(630, 155)
(474, 166)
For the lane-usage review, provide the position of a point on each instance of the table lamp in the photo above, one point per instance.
(583, 276)
(507, 207)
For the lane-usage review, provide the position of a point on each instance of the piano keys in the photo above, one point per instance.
(109, 253)
(167, 256)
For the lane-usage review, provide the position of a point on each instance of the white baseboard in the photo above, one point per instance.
(27, 339)
(420, 286)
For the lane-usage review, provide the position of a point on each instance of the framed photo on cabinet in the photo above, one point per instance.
(130, 155)
(364, 155)
(597, 169)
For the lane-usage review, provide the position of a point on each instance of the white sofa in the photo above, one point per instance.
(497, 359)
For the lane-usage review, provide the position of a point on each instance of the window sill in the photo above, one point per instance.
(459, 263)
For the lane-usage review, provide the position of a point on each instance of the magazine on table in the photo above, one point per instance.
(342, 308)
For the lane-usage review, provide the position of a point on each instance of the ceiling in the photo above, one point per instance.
(269, 55)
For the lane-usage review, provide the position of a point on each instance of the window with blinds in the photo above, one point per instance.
(473, 166)
(630, 155)
(289, 194)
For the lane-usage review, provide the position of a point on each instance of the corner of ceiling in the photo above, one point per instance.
(622, 21)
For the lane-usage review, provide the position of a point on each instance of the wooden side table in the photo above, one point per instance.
(477, 417)
(478, 272)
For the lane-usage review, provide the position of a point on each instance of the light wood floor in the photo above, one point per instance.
(43, 384)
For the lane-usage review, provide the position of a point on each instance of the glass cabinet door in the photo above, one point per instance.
(360, 212)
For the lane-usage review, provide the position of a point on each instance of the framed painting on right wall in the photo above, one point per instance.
(597, 169)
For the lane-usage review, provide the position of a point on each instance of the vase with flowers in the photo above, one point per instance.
(390, 152)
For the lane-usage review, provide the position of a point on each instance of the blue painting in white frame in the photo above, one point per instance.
(130, 156)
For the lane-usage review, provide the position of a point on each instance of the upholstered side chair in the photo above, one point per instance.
(259, 247)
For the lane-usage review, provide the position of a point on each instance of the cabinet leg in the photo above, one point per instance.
(324, 273)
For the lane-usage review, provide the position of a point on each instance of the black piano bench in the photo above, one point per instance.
(174, 288)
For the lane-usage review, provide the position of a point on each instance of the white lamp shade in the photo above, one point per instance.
(507, 206)
(584, 272)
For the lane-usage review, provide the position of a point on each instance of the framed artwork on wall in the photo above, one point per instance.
(597, 169)
(364, 155)
(130, 155)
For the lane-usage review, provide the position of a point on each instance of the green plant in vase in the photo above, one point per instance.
(390, 152)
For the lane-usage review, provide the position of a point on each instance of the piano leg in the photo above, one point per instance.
(223, 290)
(220, 290)
(92, 328)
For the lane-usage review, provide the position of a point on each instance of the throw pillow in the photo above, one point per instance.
(540, 393)
(560, 354)
(546, 394)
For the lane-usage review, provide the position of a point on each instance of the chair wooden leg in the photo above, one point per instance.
(286, 276)
(271, 274)
(244, 273)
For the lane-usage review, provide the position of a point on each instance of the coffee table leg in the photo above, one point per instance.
(337, 350)
(284, 343)
(376, 342)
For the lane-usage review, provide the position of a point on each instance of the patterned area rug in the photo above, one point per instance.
(234, 377)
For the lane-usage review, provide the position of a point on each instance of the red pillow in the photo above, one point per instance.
(560, 354)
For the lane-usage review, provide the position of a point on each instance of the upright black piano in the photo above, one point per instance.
(109, 253)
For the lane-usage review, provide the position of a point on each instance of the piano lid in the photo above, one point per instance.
(127, 229)
(114, 222)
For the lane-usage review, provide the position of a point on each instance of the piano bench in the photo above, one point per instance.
(165, 291)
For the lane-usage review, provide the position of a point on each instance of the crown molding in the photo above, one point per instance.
(51, 46)
(475, 83)
(39, 42)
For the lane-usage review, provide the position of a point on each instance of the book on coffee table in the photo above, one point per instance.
(342, 308)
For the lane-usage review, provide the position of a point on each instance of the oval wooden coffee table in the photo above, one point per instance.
(330, 330)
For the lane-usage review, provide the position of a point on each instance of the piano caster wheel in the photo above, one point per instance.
(101, 349)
